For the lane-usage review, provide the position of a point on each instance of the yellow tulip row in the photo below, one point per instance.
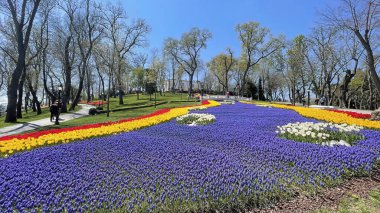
(16, 145)
(328, 116)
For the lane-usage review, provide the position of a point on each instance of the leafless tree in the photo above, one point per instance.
(103, 54)
(4, 73)
(257, 44)
(158, 66)
(324, 62)
(186, 51)
(38, 50)
(361, 17)
(296, 72)
(22, 14)
(221, 66)
(352, 52)
(124, 38)
(85, 22)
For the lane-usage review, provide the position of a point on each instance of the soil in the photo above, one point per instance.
(330, 197)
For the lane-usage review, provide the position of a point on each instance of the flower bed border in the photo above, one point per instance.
(88, 126)
(326, 115)
(17, 143)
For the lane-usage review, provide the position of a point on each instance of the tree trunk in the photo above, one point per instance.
(68, 69)
(66, 97)
(22, 33)
(11, 115)
(35, 99)
(20, 94)
(102, 84)
(114, 93)
(88, 85)
(329, 95)
(293, 95)
(226, 82)
(344, 87)
(173, 83)
(121, 100)
(78, 95)
(370, 60)
(371, 94)
(372, 70)
(103, 90)
(34, 109)
(92, 92)
(49, 94)
(82, 75)
(108, 96)
(12, 103)
(26, 102)
(243, 81)
(344, 97)
(190, 84)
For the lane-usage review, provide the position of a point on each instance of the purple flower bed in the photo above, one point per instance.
(235, 163)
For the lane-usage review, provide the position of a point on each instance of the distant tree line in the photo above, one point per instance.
(337, 63)
(92, 50)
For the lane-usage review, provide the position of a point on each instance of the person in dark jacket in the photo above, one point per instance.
(54, 111)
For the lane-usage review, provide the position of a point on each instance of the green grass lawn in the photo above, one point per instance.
(28, 117)
(129, 101)
(114, 116)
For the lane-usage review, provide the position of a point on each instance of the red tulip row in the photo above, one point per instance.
(352, 114)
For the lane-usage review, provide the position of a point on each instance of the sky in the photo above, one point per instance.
(171, 18)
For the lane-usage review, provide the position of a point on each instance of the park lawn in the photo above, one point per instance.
(115, 116)
(130, 100)
(30, 116)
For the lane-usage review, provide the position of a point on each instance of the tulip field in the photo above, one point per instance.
(236, 163)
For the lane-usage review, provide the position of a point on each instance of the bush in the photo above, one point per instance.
(99, 108)
(92, 111)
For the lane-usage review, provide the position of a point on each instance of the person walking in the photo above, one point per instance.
(53, 110)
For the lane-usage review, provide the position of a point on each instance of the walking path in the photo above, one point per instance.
(23, 127)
